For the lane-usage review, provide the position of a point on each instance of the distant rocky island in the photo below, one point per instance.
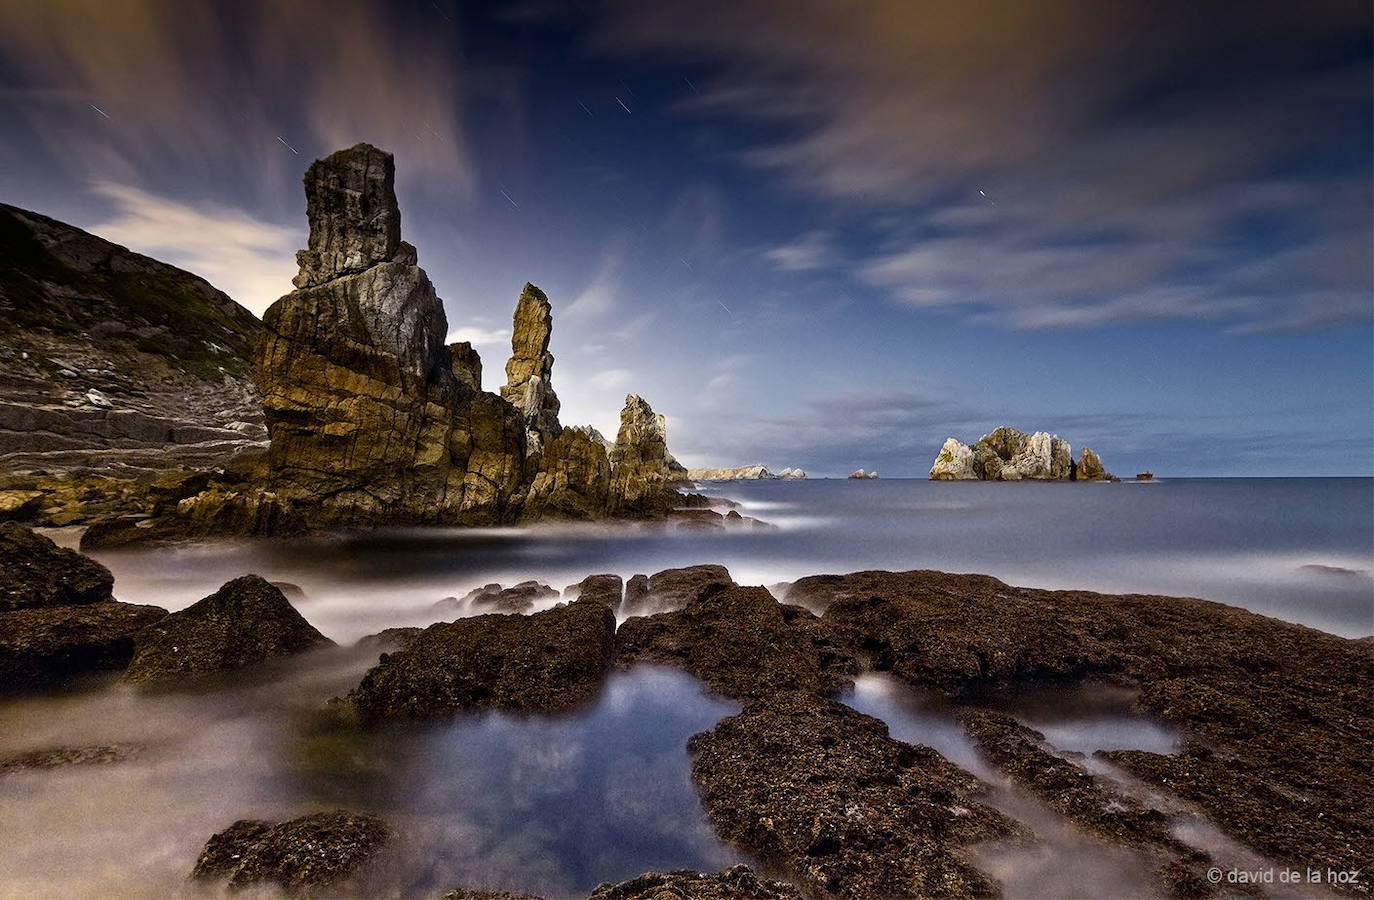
(370, 417)
(745, 473)
(1006, 454)
(861, 475)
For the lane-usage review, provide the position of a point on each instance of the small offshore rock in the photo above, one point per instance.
(247, 621)
(604, 589)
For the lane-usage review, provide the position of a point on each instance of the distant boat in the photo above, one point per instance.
(1144, 476)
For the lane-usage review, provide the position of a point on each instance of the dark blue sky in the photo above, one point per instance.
(811, 233)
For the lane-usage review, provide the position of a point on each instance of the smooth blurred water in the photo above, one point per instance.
(1298, 549)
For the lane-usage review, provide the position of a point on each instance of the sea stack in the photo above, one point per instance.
(1005, 454)
(529, 371)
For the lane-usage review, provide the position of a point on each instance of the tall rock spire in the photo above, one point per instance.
(529, 371)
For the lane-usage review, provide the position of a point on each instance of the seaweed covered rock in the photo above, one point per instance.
(247, 621)
(735, 883)
(742, 643)
(825, 794)
(604, 589)
(51, 646)
(517, 598)
(1251, 694)
(1094, 803)
(304, 856)
(35, 572)
(552, 660)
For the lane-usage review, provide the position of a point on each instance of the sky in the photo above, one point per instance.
(814, 234)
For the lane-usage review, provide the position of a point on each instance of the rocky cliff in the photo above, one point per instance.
(373, 419)
(1006, 454)
(114, 362)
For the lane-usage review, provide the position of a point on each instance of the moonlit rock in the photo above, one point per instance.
(954, 462)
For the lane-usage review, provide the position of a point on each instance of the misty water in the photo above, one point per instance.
(553, 805)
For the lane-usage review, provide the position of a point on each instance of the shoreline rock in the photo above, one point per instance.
(317, 851)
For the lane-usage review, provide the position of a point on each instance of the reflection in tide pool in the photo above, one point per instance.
(542, 804)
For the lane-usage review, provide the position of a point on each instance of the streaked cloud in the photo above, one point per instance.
(813, 250)
(481, 337)
(250, 260)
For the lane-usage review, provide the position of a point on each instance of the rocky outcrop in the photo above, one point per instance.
(467, 365)
(821, 792)
(735, 883)
(1006, 454)
(861, 475)
(517, 598)
(604, 589)
(58, 620)
(529, 371)
(742, 643)
(790, 474)
(372, 418)
(35, 572)
(1250, 694)
(114, 362)
(245, 622)
(644, 475)
(574, 478)
(549, 661)
(744, 473)
(315, 852)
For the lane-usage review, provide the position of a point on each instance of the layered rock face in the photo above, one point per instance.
(529, 371)
(114, 362)
(1006, 454)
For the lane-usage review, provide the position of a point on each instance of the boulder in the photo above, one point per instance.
(643, 472)
(49, 646)
(529, 371)
(604, 589)
(823, 793)
(552, 660)
(735, 883)
(305, 855)
(516, 599)
(676, 587)
(742, 643)
(955, 462)
(247, 621)
(35, 572)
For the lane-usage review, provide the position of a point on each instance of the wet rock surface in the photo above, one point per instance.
(1277, 716)
(57, 645)
(302, 857)
(604, 589)
(735, 883)
(35, 572)
(517, 598)
(552, 660)
(742, 643)
(1092, 802)
(247, 621)
(824, 793)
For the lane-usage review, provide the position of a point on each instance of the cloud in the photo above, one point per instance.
(480, 337)
(1035, 169)
(602, 293)
(812, 250)
(211, 90)
(250, 260)
(612, 379)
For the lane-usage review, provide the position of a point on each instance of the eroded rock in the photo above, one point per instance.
(735, 883)
(49, 646)
(35, 572)
(529, 371)
(302, 856)
(551, 660)
(245, 622)
(604, 589)
(742, 643)
(644, 474)
(824, 793)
